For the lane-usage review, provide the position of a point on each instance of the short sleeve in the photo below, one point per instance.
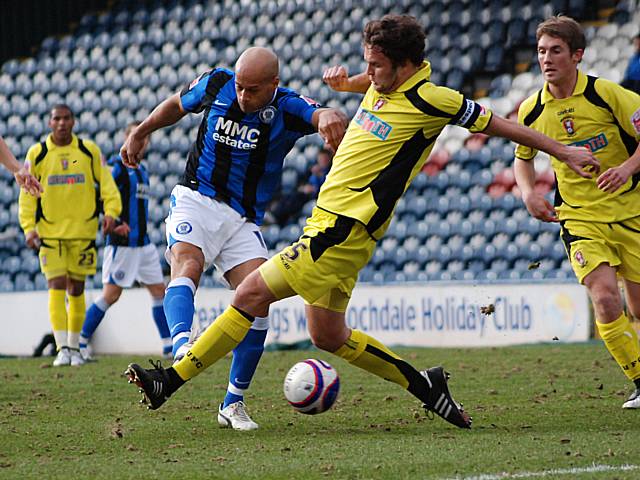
(193, 95)
(444, 102)
(298, 113)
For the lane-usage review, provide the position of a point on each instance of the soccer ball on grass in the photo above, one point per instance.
(311, 386)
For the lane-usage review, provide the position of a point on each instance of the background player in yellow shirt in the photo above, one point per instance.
(385, 146)
(599, 216)
(62, 224)
(23, 176)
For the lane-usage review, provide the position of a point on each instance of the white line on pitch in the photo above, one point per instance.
(546, 473)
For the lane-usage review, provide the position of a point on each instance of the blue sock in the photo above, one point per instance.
(95, 314)
(245, 361)
(157, 310)
(179, 310)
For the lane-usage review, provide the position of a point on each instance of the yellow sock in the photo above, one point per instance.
(76, 319)
(222, 336)
(621, 340)
(369, 354)
(58, 317)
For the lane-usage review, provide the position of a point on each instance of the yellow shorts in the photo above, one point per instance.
(322, 266)
(589, 244)
(75, 258)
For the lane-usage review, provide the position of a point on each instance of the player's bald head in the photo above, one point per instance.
(257, 63)
(256, 78)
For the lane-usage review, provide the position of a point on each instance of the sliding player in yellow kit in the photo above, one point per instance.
(600, 216)
(385, 146)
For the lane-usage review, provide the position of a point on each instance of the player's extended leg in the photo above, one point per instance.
(157, 311)
(616, 331)
(76, 313)
(632, 292)
(187, 262)
(329, 332)
(246, 356)
(222, 336)
(95, 313)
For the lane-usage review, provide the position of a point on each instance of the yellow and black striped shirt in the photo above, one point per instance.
(74, 181)
(386, 145)
(603, 117)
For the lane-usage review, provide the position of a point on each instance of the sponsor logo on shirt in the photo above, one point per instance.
(372, 124)
(594, 143)
(66, 179)
(235, 135)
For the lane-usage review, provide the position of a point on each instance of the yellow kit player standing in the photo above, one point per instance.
(599, 216)
(62, 224)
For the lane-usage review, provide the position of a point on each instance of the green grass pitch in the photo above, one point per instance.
(535, 409)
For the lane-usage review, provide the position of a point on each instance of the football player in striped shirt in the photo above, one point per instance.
(250, 124)
(129, 255)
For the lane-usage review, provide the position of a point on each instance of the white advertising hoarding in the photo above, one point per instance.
(430, 315)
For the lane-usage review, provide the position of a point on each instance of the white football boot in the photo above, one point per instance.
(76, 358)
(63, 358)
(633, 401)
(236, 417)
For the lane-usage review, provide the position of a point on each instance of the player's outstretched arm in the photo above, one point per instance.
(536, 204)
(166, 113)
(338, 79)
(615, 177)
(578, 159)
(20, 172)
(331, 124)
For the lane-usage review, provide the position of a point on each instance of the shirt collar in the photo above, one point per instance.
(423, 73)
(581, 84)
(51, 145)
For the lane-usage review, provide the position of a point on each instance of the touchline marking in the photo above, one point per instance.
(547, 473)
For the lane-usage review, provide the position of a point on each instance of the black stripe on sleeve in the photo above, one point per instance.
(421, 104)
(295, 123)
(43, 153)
(535, 112)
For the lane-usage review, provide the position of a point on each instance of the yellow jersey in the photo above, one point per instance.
(603, 117)
(386, 144)
(74, 181)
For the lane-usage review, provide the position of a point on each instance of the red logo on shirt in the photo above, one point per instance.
(379, 104)
(569, 126)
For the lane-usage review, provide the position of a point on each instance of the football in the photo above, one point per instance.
(311, 386)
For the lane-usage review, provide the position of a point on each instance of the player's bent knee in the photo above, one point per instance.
(252, 293)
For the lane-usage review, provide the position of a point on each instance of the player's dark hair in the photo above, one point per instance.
(62, 106)
(399, 37)
(564, 28)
